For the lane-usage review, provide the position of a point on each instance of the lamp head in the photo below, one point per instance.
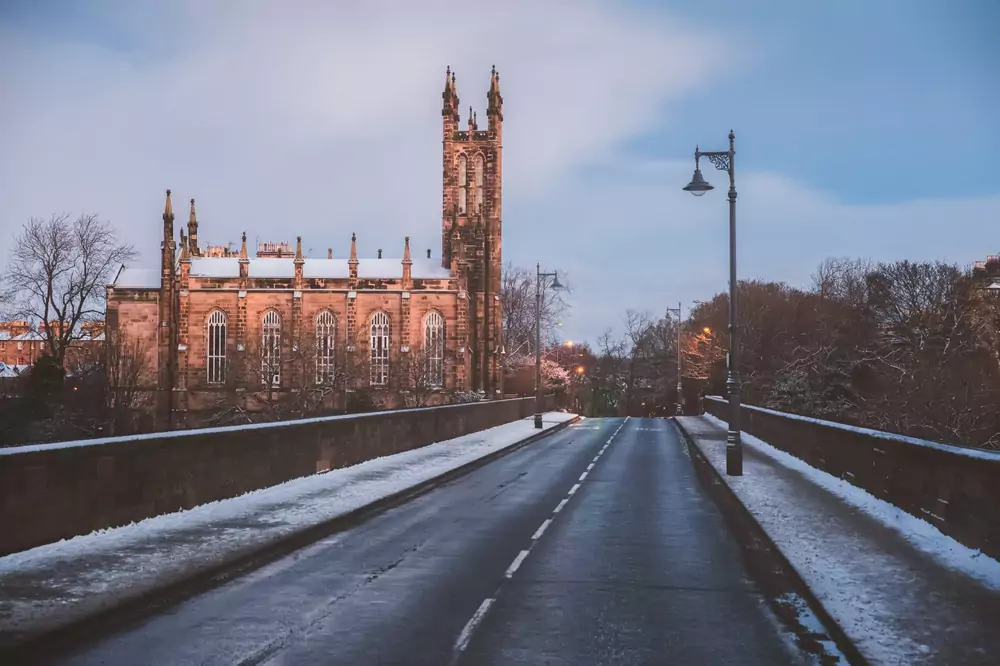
(556, 284)
(698, 185)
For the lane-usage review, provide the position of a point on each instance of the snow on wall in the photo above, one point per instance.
(31, 448)
(51, 585)
(993, 456)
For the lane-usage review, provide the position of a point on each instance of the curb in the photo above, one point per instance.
(47, 644)
(730, 502)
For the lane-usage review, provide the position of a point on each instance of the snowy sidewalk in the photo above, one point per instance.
(902, 591)
(54, 585)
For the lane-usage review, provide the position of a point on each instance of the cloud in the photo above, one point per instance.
(319, 119)
(642, 243)
(323, 118)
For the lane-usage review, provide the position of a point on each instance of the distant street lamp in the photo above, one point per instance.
(723, 161)
(539, 277)
(680, 385)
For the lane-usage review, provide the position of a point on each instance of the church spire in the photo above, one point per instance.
(407, 265)
(193, 232)
(298, 250)
(168, 220)
(494, 110)
(449, 108)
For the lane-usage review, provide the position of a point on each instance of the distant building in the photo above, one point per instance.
(21, 343)
(223, 322)
(987, 272)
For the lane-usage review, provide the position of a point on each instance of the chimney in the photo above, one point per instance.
(380, 253)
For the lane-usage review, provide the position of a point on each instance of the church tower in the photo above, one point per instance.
(472, 207)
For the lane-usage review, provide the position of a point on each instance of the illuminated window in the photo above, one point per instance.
(380, 349)
(216, 368)
(326, 334)
(270, 357)
(434, 348)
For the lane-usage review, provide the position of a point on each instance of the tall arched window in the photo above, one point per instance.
(380, 349)
(270, 348)
(434, 348)
(463, 185)
(216, 330)
(478, 168)
(326, 334)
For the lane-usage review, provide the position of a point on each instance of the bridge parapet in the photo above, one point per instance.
(955, 489)
(58, 491)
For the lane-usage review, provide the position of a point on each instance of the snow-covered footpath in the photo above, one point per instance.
(902, 591)
(47, 587)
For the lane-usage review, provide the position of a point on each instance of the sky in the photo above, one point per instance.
(863, 129)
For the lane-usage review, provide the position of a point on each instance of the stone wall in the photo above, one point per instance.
(954, 489)
(57, 491)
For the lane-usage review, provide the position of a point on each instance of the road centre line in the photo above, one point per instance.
(466, 635)
(470, 626)
(516, 563)
(541, 530)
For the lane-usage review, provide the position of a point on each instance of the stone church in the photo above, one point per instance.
(220, 324)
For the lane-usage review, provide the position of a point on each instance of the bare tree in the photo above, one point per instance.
(58, 272)
(702, 350)
(128, 375)
(419, 376)
(518, 303)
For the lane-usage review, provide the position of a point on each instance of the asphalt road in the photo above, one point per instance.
(595, 545)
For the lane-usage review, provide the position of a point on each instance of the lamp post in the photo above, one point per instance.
(539, 277)
(680, 385)
(723, 161)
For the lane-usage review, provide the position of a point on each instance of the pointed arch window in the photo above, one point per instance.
(270, 357)
(379, 349)
(434, 349)
(326, 336)
(463, 185)
(216, 344)
(478, 175)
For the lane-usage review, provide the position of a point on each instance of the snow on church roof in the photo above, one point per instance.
(271, 268)
(137, 278)
(221, 267)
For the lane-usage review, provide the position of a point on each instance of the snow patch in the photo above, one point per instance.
(50, 585)
(921, 534)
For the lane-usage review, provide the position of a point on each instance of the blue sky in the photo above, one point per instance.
(863, 129)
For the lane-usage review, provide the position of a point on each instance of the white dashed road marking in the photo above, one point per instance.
(516, 563)
(470, 627)
(541, 530)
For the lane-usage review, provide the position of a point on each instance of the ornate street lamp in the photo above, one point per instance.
(723, 161)
(539, 278)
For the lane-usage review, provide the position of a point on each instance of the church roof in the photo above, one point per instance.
(229, 267)
(137, 278)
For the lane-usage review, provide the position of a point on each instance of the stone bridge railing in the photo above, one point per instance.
(955, 489)
(50, 492)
